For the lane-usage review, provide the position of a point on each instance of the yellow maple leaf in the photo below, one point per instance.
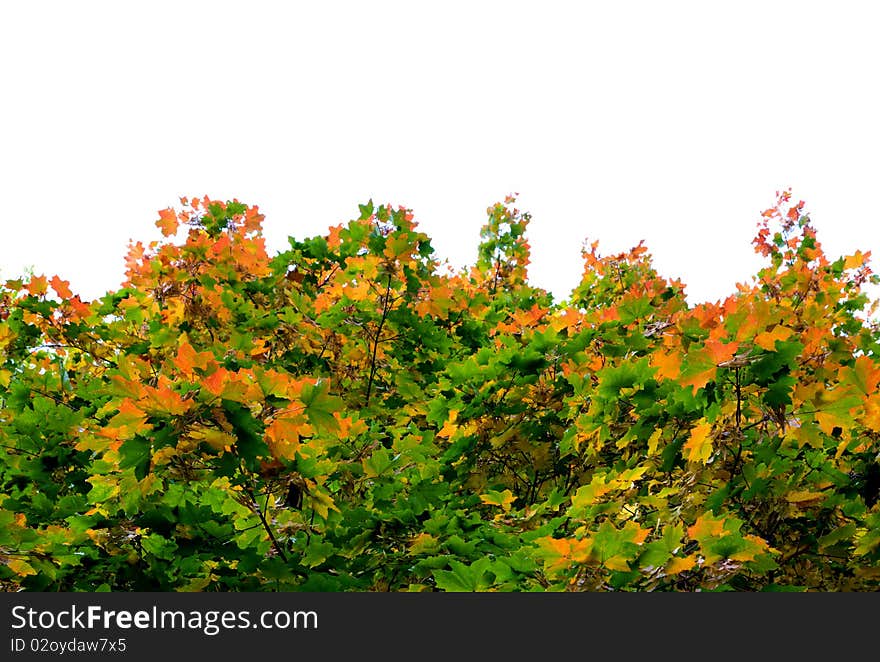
(449, 427)
(767, 339)
(424, 543)
(855, 260)
(677, 565)
(504, 499)
(216, 439)
(698, 447)
(21, 567)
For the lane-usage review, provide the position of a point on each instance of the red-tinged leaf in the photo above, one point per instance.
(216, 381)
(61, 287)
(167, 222)
(78, 309)
(569, 319)
(450, 426)
(560, 553)
(129, 414)
(610, 314)
(872, 412)
(698, 447)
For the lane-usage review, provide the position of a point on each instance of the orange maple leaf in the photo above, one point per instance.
(767, 339)
(164, 400)
(253, 219)
(700, 379)
(187, 359)
(129, 421)
(721, 352)
(61, 287)
(707, 528)
(167, 222)
(283, 436)
(668, 364)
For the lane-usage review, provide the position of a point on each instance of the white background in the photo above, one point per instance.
(672, 122)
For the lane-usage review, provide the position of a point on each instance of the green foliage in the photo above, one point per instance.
(347, 416)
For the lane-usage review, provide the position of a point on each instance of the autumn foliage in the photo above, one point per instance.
(352, 415)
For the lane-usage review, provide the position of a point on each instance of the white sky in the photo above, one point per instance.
(673, 122)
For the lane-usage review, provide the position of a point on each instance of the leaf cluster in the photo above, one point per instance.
(352, 415)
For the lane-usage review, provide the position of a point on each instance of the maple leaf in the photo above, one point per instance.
(707, 527)
(423, 543)
(767, 339)
(677, 565)
(503, 499)
(37, 285)
(699, 379)
(188, 359)
(698, 447)
(129, 421)
(805, 498)
(167, 222)
(253, 220)
(319, 405)
(217, 439)
(599, 486)
(61, 287)
(721, 352)
(449, 426)
(559, 553)
(864, 375)
(163, 399)
(856, 260)
(668, 364)
(21, 567)
(283, 435)
(320, 500)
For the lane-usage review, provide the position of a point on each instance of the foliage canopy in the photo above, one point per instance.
(349, 415)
